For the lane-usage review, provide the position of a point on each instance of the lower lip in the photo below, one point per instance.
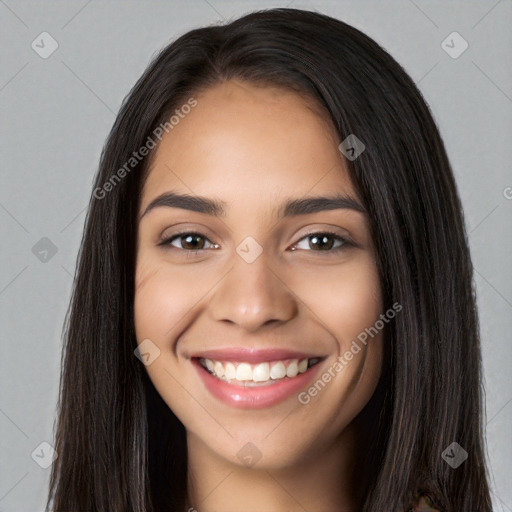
(256, 397)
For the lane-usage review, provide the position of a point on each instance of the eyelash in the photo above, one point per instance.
(345, 241)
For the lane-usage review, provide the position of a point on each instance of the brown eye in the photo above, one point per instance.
(188, 242)
(322, 242)
(192, 242)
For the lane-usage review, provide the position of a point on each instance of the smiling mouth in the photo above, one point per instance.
(265, 373)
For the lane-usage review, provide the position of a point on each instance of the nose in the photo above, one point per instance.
(252, 295)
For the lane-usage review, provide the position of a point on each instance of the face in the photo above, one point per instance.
(250, 298)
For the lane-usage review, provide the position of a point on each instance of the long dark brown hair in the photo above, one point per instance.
(120, 447)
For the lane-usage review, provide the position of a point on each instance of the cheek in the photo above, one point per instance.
(345, 299)
(162, 299)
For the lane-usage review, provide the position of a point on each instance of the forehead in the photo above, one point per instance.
(249, 144)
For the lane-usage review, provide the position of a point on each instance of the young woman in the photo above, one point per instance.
(273, 306)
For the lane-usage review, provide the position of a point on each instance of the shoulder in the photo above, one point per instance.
(424, 504)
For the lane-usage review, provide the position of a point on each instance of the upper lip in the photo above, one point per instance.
(251, 355)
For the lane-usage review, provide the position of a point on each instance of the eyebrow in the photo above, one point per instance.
(292, 207)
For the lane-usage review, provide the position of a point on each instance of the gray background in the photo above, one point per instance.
(57, 112)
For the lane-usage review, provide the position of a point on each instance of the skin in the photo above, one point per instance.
(255, 147)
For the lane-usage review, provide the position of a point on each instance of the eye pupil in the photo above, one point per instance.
(321, 241)
(189, 240)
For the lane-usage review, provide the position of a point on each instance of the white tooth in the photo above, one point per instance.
(209, 364)
(303, 366)
(293, 368)
(244, 372)
(218, 368)
(230, 371)
(278, 371)
(261, 373)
